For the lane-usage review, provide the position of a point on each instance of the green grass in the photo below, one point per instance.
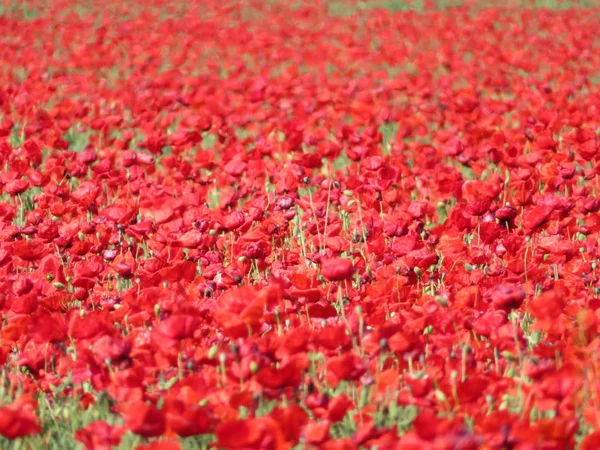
(21, 10)
(342, 9)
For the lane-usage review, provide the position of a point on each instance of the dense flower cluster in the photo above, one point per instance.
(337, 225)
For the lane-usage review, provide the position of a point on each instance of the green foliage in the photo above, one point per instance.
(21, 10)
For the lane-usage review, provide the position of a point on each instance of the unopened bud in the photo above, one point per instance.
(212, 352)
(442, 300)
(253, 367)
(440, 396)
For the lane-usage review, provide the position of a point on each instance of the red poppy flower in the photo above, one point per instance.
(160, 445)
(166, 224)
(316, 433)
(345, 367)
(186, 419)
(263, 433)
(18, 419)
(591, 441)
(144, 419)
(100, 435)
(507, 297)
(337, 269)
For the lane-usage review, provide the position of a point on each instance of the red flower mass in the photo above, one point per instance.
(266, 225)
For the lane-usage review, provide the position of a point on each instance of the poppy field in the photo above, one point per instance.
(278, 225)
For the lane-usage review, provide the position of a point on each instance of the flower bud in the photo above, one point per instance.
(212, 352)
(253, 367)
